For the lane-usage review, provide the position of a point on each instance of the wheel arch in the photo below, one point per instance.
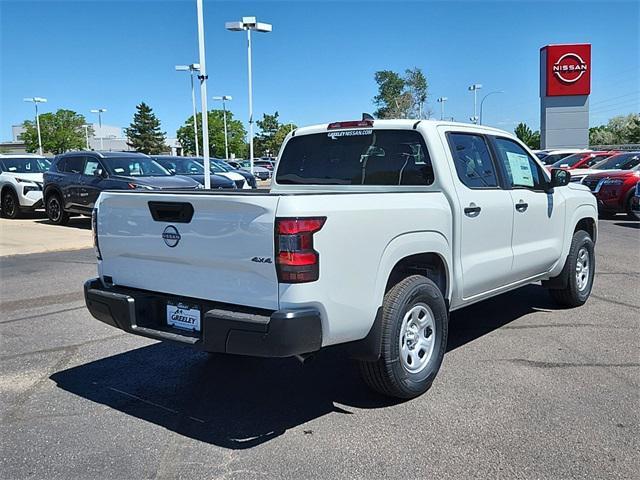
(424, 253)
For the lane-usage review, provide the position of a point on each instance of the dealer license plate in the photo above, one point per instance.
(183, 316)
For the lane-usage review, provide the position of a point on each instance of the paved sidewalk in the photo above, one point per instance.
(35, 234)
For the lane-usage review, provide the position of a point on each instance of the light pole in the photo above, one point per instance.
(36, 101)
(192, 69)
(484, 98)
(224, 99)
(203, 98)
(248, 24)
(474, 88)
(100, 111)
(442, 101)
(86, 134)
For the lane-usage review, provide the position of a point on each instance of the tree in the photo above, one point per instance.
(60, 131)
(619, 130)
(144, 133)
(529, 137)
(401, 97)
(272, 134)
(416, 85)
(235, 130)
(266, 142)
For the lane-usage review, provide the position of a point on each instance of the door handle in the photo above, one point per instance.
(521, 206)
(472, 210)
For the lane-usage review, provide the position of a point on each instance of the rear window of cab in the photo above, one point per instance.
(356, 157)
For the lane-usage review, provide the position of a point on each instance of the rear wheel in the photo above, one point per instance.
(414, 339)
(580, 268)
(10, 204)
(55, 212)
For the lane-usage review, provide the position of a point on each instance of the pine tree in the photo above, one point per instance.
(144, 133)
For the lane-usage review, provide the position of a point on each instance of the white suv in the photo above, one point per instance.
(21, 183)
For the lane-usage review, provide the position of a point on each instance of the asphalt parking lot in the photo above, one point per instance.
(526, 391)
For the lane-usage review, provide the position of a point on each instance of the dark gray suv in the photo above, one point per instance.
(74, 180)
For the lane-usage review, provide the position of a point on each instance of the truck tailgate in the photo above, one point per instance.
(223, 253)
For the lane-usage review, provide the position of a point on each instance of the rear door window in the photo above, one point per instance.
(356, 157)
(472, 160)
(73, 164)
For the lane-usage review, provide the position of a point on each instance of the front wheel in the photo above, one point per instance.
(414, 339)
(580, 268)
(10, 204)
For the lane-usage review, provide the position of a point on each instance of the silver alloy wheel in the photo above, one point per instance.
(417, 338)
(583, 269)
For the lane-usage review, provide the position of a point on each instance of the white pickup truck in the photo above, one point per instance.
(372, 232)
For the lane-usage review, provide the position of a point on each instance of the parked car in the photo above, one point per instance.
(225, 171)
(635, 202)
(618, 161)
(377, 238)
(260, 172)
(582, 160)
(75, 180)
(21, 183)
(268, 164)
(614, 190)
(549, 157)
(250, 179)
(188, 167)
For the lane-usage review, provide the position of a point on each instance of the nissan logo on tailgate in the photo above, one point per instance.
(171, 236)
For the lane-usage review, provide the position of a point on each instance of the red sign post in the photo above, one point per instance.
(568, 69)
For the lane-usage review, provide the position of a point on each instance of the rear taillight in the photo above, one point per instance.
(94, 230)
(296, 260)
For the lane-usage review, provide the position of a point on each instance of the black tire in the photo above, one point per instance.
(55, 210)
(390, 375)
(575, 295)
(10, 204)
(628, 203)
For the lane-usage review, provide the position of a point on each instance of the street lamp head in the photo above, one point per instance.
(35, 100)
(442, 99)
(182, 68)
(224, 98)
(234, 26)
(98, 110)
(248, 23)
(475, 86)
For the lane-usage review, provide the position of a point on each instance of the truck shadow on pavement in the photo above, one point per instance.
(241, 402)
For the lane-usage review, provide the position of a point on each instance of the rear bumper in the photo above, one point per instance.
(225, 328)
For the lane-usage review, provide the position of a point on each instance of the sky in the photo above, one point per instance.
(316, 66)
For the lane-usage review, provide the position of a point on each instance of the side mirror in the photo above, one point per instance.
(559, 178)
(99, 172)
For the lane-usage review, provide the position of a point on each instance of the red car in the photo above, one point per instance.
(582, 160)
(615, 190)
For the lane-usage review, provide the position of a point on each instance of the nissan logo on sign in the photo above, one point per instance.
(568, 70)
(570, 67)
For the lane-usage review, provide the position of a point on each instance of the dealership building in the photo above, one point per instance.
(108, 138)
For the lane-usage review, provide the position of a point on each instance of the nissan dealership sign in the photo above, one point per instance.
(568, 69)
(565, 85)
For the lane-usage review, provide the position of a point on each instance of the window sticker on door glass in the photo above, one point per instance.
(520, 167)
